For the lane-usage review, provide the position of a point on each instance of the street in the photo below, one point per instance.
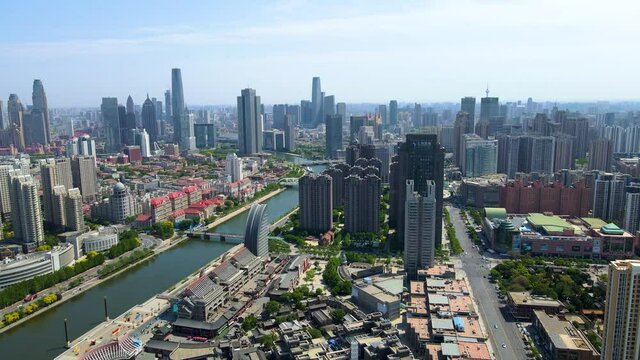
(499, 330)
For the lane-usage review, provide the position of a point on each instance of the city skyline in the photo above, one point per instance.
(216, 43)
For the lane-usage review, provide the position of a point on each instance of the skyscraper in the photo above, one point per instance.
(144, 142)
(149, 120)
(420, 158)
(536, 154)
(168, 103)
(279, 111)
(257, 230)
(290, 132)
(479, 156)
(306, 114)
(459, 129)
(417, 115)
(362, 193)
(382, 110)
(632, 209)
(420, 228)
(26, 215)
(328, 105)
(393, 112)
(58, 214)
(249, 123)
(315, 197)
(600, 154)
(130, 106)
(83, 168)
(124, 126)
(3, 122)
(35, 127)
(608, 197)
(490, 113)
(468, 105)
(337, 184)
(49, 179)
(334, 135)
(5, 190)
(380, 152)
(341, 109)
(355, 123)
(73, 210)
(15, 112)
(111, 123)
(563, 154)
(317, 102)
(205, 135)
(621, 337)
(578, 128)
(177, 108)
(39, 98)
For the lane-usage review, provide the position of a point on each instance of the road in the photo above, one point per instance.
(484, 292)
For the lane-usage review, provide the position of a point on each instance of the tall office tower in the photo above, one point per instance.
(608, 197)
(205, 135)
(355, 123)
(150, 120)
(420, 158)
(293, 111)
(468, 105)
(579, 128)
(130, 105)
(249, 123)
(382, 110)
(337, 185)
(3, 123)
(563, 153)
(490, 112)
(362, 193)
(34, 128)
(73, 208)
(600, 154)
(430, 118)
(416, 119)
(459, 129)
(177, 107)
(315, 197)
(39, 97)
(341, 109)
(621, 338)
(366, 135)
(420, 228)
(26, 215)
(59, 214)
(83, 168)
(328, 105)
(168, 104)
(233, 167)
(290, 132)
(632, 209)
(87, 146)
(317, 103)
(279, 111)
(306, 114)
(508, 155)
(111, 123)
(393, 112)
(124, 127)
(257, 230)
(144, 141)
(380, 152)
(333, 129)
(479, 156)
(632, 141)
(15, 112)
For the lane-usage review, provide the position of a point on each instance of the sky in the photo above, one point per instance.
(363, 51)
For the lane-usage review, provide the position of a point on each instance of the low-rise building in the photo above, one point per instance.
(201, 299)
(379, 293)
(560, 339)
(99, 240)
(25, 267)
(523, 304)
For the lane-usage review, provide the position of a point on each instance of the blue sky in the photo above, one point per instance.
(364, 51)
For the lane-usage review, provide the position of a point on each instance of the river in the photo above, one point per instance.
(43, 336)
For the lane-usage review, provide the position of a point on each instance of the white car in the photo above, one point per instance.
(504, 346)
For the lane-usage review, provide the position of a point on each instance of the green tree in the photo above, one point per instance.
(338, 315)
(272, 307)
(163, 229)
(249, 322)
(268, 340)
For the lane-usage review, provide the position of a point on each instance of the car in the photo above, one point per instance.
(504, 346)
(495, 326)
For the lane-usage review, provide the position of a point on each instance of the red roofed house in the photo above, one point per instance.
(159, 208)
(194, 194)
(178, 200)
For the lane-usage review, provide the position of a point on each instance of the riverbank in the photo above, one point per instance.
(166, 245)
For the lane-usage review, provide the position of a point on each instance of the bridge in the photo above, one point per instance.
(318, 162)
(288, 181)
(216, 236)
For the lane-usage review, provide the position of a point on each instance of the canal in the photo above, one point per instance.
(43, 336)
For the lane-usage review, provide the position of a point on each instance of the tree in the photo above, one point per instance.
(319, 291)
(249, 322)
(163, 229)
(272, 307)
(338, 315)
(314, 333)
(268, 340)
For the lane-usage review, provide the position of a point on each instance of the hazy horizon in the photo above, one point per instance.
(364, 51)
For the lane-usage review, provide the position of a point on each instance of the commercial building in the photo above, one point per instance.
(379, 294)
(205, 135)
(362, 193)
(182, 123)
(120, 206)
(257, 230)
(98, 240)
(621, 318)
(526, 197)
(150, 120)
(420, 224)
(249, 123)
(25, 267)
(560, 339)
(111, 123)
(479, 156)
(315, 196)
(523, 305)
(483, 191)
(333, 127)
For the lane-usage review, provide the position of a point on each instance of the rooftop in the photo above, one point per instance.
(525, 298)
(552, 223)
(562, 333)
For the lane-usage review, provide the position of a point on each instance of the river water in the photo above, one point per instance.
(43, 336)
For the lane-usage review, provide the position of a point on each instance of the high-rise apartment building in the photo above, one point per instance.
(621, 338)
(479, 156)
(73, 210)
(468, 105)
(233, 167)
(578, 128)
(563, 153)
(279, 112)
(600, 154)
(315, 197)
(256, 234)
(362, 193)
(609, 197)
(328, 105)
(420, 228)
(460, 127)
(111, 123)
(150, 120)
(382, 110)
(49, 179)
(337, 184)
(177, 106)
(416, 119)
(420, 158)
(290, 132)
(83, 168)
(3, 119)
(333, 128)
(380, 152)
(249, 123)
(26, 215)
(632, 209)
(393, 112)
(206, 135)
